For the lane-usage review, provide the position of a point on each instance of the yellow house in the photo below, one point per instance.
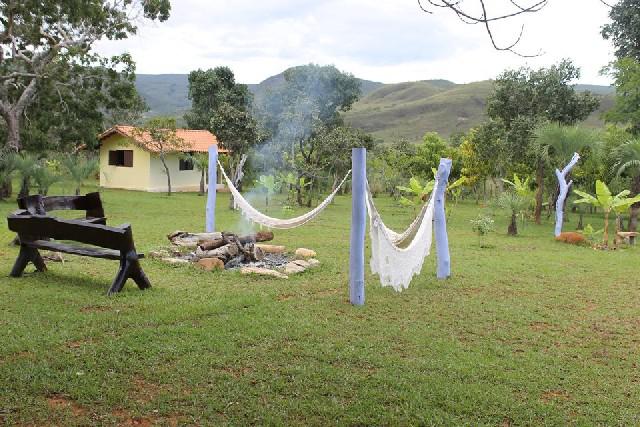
(127, 161)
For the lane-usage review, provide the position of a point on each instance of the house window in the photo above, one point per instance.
(121, 158)
(186, 164)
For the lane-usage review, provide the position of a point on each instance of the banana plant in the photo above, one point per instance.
(270, 185)
(607, 202)
(521, 187)
(417, 191)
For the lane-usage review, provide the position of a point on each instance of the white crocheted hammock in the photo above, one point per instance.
(397, 257)
(258, 217)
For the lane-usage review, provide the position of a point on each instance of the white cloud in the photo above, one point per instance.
(387, 41)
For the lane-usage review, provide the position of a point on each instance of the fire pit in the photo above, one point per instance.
(228, 251)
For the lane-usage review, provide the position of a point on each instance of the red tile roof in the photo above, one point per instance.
(194, 140)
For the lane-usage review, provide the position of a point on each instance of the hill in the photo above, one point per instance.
(408, 110)
(388, 111)
(168, 94)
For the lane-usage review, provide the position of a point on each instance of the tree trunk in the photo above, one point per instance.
(513, 226)
(13, 131)
(166, 170)
(605, 235)
(580, 224)
(202, 175)
(539, 192)
(635, 208)
(78, 190)
(24, 187)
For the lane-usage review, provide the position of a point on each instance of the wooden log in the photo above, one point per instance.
(225, 252)
(260, 236)
(252, 253)
(271, 249)
(207, 245)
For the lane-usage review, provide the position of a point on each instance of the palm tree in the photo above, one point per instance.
(80, 168)
(515, 204)
(26, 165)
(201, 163)
(7, 168)
(627, 162)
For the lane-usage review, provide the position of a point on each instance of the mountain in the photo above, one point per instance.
(388, 111)
(409, 110)
(168, 94)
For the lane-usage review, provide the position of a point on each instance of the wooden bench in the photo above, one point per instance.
(36, 228)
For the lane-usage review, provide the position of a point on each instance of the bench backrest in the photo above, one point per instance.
(38, 227)
(41, 205)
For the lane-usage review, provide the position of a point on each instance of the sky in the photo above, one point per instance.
(388, 41)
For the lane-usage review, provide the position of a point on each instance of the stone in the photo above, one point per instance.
(159, 254)
(303, 253)
(210, 264)
(313, 262)
(293, 268)
(302, 263)
(263, 272)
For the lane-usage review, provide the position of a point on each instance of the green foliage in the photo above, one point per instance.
(47, 173)
(608, 202)
(591, 234)
(51, 61)
(626, 110)
(522, 188)
(482, 225)
(416, 191)
(270, 186)
(80, 168)
(624, 28)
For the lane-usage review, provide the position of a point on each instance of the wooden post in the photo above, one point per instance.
(564, 189)
(358, 225)
(210, 225)
(440, 221)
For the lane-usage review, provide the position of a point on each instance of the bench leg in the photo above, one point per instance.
(129, 268)
(25, 256)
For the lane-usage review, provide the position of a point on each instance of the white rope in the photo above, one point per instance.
(258, 217)
(397, 257)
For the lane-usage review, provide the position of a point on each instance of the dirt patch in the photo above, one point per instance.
(285, 297)
(555, 395)
(77, 343)
(328, 292)
(125, 419)
(58, 402)
(539, 326)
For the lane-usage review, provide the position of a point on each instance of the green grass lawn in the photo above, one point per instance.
(527, 332)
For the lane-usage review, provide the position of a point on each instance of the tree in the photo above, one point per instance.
(626, 110)
(624, 30)
(524, 98)
(627, 157)
(515, 204)
(555, 144)
(39, 36)
(80, 168)
(201, 162)
(159, 135)
(306, 105)
(223, 106)
(607, 202)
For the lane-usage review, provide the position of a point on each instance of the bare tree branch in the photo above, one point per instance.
(486, 19)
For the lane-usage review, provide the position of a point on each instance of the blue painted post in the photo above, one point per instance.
(564, 190)
(211, 190)
(440, 221)
(358, 225)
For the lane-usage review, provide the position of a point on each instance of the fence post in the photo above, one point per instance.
(440, 221)
(210, 224)
(358, 225)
